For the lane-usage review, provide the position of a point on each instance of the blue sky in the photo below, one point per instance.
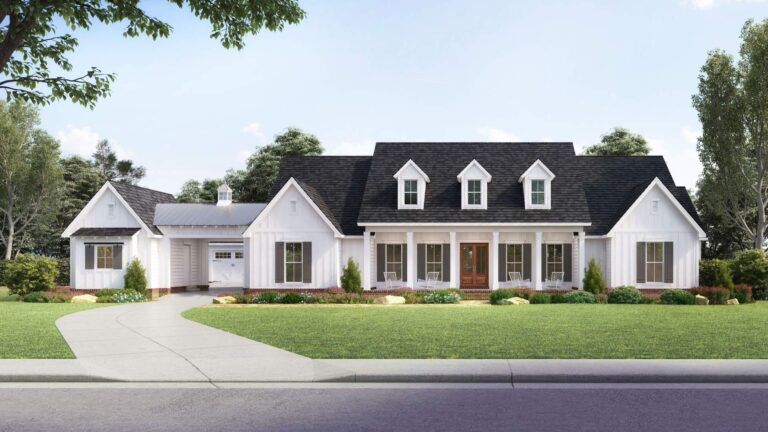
(356, 72)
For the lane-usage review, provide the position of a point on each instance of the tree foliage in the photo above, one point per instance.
(123, 170)
(30, 175)
(619, 142)
(350, 278)
(135, 277)
(733, 148)
(33, 38)
(28, 273)
(593, 278)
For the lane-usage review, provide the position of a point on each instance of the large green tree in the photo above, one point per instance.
(254, 184)
(34, 37)
(619, 142)
(30, 175)
(732, 104)
(122, 170)
(723, 238)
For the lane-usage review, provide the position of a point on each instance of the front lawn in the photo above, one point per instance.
(535, 331)
(28, 330)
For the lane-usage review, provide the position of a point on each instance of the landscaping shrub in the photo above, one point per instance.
(127, 296)
(678, 297)
(296, 298)
(557, 298)
(412, 297)
(625, 295)
(63, 265)
(579, 297)
(715, 272)
(266, 297)
(601, 298)
(104, 299)
(743, 293)
(241, 298)
(499, 295)
(456, 291)
(35, 297)
(443, 297)
(541, 298)
(651, 300)
(350, 278)
(344, 298)
(751, 267)
(107, 292)
(136, 277)
(28, 273)
(593, 278)
(716, 295)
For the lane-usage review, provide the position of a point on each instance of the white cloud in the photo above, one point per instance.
(82, 141)
(255, 130)
(494, 134)
(711, 4)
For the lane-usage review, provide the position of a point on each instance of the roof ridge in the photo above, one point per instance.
(122, 184)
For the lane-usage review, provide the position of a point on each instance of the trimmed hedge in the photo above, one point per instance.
(625, 295)
(678, 297)
(579, 297)
(541, 298)
(716, 295)
(751, 267)
(28, 273)
(715, 272)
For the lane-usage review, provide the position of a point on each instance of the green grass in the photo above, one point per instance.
(27, 330)
(5, 295)
(527, 332)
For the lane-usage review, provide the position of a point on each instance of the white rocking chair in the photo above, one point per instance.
(432, 279)
(555, 280)
(516, 280)
(391, 280)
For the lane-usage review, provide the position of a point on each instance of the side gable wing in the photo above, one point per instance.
(97, 209)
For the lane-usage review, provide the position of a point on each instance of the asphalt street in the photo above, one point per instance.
(386, 408)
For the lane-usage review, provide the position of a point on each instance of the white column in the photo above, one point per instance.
(454, 260)
(536, 276)
(366, 260)
(582, 260)
(411, 281)
(494, 255)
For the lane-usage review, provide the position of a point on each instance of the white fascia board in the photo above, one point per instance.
(474, 162)
(539, 163)
(483, 224)
(675, 202)
(107, 186)
(416, 167)
(291, 182)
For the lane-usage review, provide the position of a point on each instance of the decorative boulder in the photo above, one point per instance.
(701, 300)
(732, 301)
(390, 300)
(224, 300)
(85, 298)
(515, 301)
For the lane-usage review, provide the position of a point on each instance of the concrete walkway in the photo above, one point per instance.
(152, 342)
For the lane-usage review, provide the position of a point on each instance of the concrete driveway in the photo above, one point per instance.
(152, 342)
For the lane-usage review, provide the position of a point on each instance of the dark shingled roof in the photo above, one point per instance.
(143, 201)
(334, 183)
(105, 232)
(613, 183)
(442, 162)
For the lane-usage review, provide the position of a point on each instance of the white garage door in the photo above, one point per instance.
(226, 265)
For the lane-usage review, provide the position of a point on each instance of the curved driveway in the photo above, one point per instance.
(152, 342)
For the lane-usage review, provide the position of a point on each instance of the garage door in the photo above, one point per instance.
(227, 265)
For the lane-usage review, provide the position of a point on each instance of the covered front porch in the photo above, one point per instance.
(473, 257)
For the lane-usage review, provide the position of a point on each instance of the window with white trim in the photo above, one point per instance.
(394, 259)
(222, 255)
(225, 196)
(105, 256)
(654, 262)
(538, 194)
(238, 255)
(474, 192)
(554, 259)
(411, 191)
(515, 258)
(435, 258)
(294, 266)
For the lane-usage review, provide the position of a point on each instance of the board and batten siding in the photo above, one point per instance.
(644, 224)
(596, 249)
(185, 273)
(284, 224)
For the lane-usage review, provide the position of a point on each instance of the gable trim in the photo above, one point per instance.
(292, 182)
(537, 163)
(474, 162)
(88, 207)
(416, 167)
(668, 194)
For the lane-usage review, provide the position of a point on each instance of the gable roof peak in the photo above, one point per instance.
(411, 163)
(474, 163)
(538, 163)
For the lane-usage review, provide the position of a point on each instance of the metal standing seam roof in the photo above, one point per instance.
(177, 214)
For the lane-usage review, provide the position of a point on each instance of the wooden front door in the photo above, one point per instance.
(474, 265)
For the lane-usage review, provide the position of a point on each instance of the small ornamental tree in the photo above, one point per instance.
(28, 273)
(715, 273)
(350, 278)
(593, 278)
(136, 277)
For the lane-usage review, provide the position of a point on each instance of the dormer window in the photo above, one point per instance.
(411, 187)
(474, 181)
(537, 186)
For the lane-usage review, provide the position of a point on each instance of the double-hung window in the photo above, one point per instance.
(394, 259)
(554, 258)
(294, 262)
(654, 262)
(105, 256)
(411, 192)
(435, 258)
(474, 192)
(538, 194)
(514, 258)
